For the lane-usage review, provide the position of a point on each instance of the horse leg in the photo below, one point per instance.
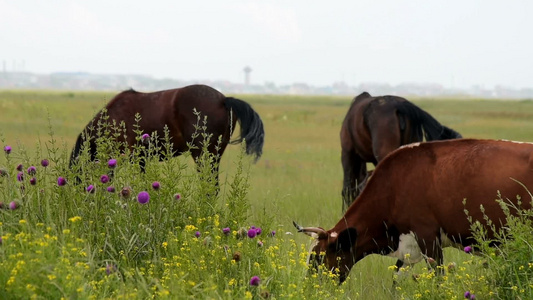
(354, 174)
(362, 184)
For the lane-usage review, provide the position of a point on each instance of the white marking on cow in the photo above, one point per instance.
(412, 145)
(516, 142)
(408, 250)
(334, 234)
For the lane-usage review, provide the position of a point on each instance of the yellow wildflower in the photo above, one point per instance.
(75, 219)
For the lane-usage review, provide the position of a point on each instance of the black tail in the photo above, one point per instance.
(433, 130)
(251, 126)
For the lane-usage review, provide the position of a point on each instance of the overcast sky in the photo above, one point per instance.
(453, 43)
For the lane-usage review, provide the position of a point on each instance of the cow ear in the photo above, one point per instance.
(363, 95)
(346, 239)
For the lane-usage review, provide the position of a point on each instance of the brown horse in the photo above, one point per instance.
(374, 127)
(175, 109)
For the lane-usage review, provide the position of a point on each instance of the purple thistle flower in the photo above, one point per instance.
(13, 205)
(226, 230)
(145, 137)
(252, 233)
(112, 163)
(197, 234)
(272, 233)
(254, 281)
(259, 243)
(33, 181)
(258, 230)
(61, 181)
(20, 167)
(32, 170)
(90, 189)
(45, 162)
(467, 294)
(104, 178)
(109, 269)
(143, 197)
(7, 149)
(111, 189)
(156, 185)
(20, 176)
(177, 196)
(468, 249)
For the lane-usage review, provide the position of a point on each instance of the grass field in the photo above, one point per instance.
(299, 176)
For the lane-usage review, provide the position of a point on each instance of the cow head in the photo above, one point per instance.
(333, 249)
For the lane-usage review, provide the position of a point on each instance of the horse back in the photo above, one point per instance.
(372, 128)
(173, 108)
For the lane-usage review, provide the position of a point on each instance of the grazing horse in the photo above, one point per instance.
(374, 127)
(176, 109)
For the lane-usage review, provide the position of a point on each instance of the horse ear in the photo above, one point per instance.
(363, 96)
(346, 239)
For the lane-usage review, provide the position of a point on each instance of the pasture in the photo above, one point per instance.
(299, 177)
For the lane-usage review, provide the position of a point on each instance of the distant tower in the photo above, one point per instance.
(247, 70)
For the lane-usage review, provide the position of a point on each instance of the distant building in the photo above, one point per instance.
(247, 70)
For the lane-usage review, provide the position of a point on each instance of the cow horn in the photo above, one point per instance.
(315, 232)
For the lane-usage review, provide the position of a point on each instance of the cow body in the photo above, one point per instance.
(422, 190)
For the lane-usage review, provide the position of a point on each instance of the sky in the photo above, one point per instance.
(455, 43)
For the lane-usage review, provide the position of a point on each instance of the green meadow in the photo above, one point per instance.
(123, 249)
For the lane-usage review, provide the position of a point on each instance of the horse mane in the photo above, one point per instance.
(422, 120)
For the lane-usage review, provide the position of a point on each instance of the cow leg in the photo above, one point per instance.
(354, 173)
(432, 249)
(399, 273)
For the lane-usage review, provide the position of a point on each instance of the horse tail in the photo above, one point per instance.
(252, 130)
(420, 119)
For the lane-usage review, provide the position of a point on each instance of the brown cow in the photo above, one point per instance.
(418, 190)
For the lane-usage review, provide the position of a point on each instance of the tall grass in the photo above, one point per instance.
(90, 231)
(62, 241)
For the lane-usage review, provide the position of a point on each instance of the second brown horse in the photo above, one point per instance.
(374, 127)
(175, 109)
